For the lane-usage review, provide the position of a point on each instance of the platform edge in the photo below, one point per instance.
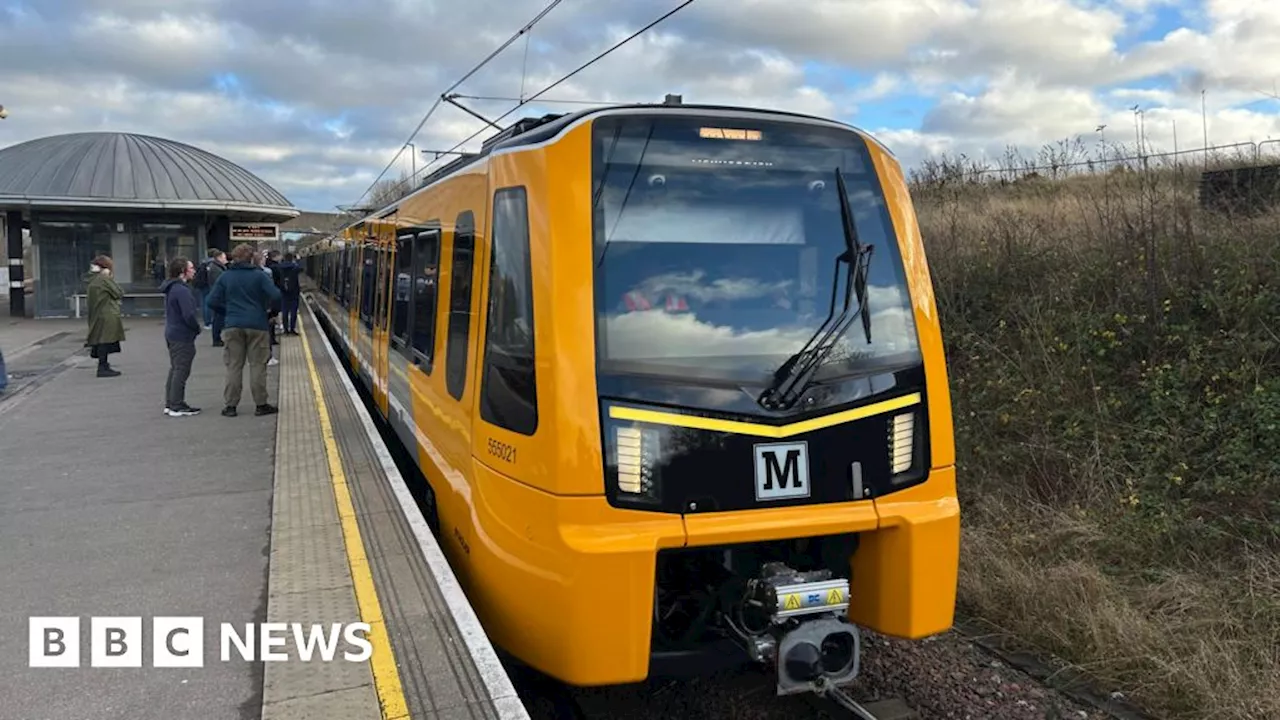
(507, 703)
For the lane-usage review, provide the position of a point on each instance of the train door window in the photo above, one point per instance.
(366, 286)
(348, 257)
(384, 287)
(426, 272)
(342, 277)
(380, 287)
(384, 282)
(459, 333)
(402, 297)
(344, 280)
(508, 387)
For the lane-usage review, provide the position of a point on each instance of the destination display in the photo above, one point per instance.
(255, 232)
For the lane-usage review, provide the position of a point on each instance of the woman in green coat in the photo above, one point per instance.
(106, 328)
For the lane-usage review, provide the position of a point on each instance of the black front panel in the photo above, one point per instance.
(693, 470)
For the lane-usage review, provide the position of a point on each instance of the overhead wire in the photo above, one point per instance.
(549, 101)
(434, 106)
(425, 170)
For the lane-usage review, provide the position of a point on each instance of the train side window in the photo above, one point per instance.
(459, 333)
(426, 269)
(401, 297)
(508, 387)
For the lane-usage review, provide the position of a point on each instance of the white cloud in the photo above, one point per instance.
(316, 97)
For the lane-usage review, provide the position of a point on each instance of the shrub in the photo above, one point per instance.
(1114, 354)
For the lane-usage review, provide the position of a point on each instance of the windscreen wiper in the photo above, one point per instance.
(792, 378)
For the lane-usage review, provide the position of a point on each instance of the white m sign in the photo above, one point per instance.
(782, 471)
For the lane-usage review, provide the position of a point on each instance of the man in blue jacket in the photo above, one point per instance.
(244, 294)
(181, 326)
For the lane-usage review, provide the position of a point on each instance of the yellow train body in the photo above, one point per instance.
(560, 568)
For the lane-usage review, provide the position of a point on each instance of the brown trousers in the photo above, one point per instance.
(245, 347)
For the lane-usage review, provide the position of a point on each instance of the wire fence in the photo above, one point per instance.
(1075, 157)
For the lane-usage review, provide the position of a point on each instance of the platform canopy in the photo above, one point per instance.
(127, 171)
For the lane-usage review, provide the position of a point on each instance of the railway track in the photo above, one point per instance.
(744, 694)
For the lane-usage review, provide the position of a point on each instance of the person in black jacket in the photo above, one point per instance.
(287, 274)
(272, 264)
(181, 326)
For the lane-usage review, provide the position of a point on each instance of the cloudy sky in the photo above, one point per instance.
(317, 96)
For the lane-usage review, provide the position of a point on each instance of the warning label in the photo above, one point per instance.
(792, 602)
(835, 597)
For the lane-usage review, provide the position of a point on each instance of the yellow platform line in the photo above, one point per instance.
(386, 678)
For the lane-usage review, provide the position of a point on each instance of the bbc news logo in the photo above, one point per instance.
(178, 642)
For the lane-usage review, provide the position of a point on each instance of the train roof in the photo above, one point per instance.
(533, 130)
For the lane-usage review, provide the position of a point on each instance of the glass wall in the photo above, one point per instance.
(65, 247)
(153, 245)
(140, 247)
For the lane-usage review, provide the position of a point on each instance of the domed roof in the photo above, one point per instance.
(126, 170)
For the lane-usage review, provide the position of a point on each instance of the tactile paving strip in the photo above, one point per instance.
(309, 578)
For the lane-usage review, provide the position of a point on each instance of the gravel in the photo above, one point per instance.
(948, 677)
(943, 677)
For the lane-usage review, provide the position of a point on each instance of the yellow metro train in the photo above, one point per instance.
(675, 377)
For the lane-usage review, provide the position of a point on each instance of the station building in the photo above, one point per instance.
(139, 199)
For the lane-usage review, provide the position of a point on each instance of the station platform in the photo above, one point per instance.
(111, 509)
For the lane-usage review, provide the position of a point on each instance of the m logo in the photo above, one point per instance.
(782, 471)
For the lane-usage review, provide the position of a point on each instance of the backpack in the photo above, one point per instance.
(289, 280)
(201, 280)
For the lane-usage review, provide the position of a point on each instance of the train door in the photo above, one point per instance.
(507, 396)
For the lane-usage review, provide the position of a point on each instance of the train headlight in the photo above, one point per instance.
(902, 446)
(635, 463)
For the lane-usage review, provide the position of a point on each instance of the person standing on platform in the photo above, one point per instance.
(214, 268)
(273, 314)
(181, 326)
(272, 265)
(244, 294)
(106, 328)
(287, 279)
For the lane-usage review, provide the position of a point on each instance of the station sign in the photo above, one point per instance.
(255, 232)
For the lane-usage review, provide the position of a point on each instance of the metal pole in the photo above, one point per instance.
(1137, 139)
(1204, 124)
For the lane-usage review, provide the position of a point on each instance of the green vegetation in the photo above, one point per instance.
(1115, 361)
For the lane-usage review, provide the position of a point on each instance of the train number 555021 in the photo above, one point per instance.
(502, 451)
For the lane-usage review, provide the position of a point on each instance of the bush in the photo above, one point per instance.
(1114, 354)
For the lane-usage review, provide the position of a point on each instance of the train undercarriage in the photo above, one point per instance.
(779, 604)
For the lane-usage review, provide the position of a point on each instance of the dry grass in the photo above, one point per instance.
(1181, 643)
(1115, 359)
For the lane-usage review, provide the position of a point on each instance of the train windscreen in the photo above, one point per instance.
(718, 242)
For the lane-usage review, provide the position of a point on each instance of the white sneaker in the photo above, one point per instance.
(272, 361)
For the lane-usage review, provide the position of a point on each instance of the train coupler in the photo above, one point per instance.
(796, 621)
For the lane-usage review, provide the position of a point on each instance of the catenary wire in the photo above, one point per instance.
(435, 105)
(567, 76)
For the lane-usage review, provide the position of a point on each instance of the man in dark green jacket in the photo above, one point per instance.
(244, 294)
